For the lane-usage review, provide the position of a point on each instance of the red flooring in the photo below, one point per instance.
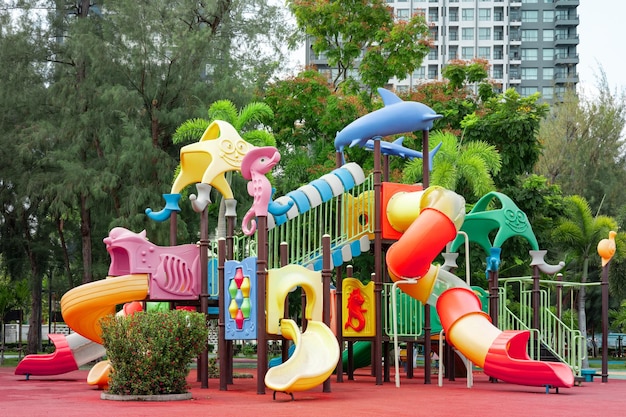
(69, 395)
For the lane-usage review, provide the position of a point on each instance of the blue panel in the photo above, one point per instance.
(324, 189)
(317, 265)
(346, 178)
(301, 200)
(212, 278)
(355, 248)
(337, 258)
(249, 329)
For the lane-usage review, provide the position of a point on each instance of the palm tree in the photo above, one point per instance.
(248, 121)
(578, 235)
(473, 163)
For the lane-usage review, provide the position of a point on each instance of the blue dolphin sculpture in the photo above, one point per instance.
(397, 116)
(397, 149)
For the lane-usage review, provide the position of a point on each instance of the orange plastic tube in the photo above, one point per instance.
(429, 232)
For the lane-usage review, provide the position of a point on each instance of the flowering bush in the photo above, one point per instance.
(150, 351)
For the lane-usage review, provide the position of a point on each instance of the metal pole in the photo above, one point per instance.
(203, 362)
(427, 328)
(605, 323)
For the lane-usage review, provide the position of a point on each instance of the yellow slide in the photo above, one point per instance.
(317, 351)
(83, 307)
(313, 361)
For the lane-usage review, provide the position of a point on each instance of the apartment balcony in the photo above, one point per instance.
(566, 59)
(566, 40)
(515, 59)
(515, 4)
(515, 40)
(566, 78)
(515, 79)
(567, 3)
(515, 21)
(567, 20)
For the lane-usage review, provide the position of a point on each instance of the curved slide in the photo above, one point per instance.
(362, 355)
(313, 361)
(502, 354)
(71, 352)
(83, 307)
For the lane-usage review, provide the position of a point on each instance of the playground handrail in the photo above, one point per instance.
(565, 343)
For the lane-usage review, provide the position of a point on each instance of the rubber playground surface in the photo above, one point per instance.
(69, 395)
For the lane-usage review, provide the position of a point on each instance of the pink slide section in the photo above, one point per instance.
(70, 352)
(502, 355)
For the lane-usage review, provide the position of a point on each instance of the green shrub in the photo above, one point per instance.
(150, 351)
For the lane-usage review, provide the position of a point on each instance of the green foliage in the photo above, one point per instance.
(543, 203)
(464, 167)
(150, 351)
(510, 123)
(460, 73)
(583, 145)
(363, 35)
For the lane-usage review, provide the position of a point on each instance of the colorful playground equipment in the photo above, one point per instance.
(295, 241)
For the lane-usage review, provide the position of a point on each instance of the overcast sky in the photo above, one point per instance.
(602, 32)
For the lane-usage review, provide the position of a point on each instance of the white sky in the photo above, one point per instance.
(602, 32)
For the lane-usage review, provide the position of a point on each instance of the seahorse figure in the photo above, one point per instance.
(254, 166)
(355, 311)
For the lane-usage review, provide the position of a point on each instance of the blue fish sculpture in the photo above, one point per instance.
(396, 148)
(397, 116)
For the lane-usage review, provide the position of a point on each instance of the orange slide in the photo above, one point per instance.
(502, 355)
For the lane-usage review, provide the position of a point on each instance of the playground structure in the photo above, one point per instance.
(297, 240)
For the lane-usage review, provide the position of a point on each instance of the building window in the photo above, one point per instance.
(498, 72)
(548, 54)
(402, 89)
(467, 34)
(484, 52)
(467, 52)
(529, 73)
(484, 15)
(454, 34)
(419, 72)
(527, 91)
(467, 14)
(484, 34)
(402, 13)
(530, 16)
(432, 72)
(529, 35)
(548, 74)
(547, 93)
(530, 1)
(453, 52)
(548, 16)
(529, 54)
(561, 53)
(432, 55)
(548, 35)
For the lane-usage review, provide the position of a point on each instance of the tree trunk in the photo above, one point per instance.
(34, 322)
(85, 233)
(582, 315)
(66, 256)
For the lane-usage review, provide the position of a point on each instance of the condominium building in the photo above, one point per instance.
(529, 44)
